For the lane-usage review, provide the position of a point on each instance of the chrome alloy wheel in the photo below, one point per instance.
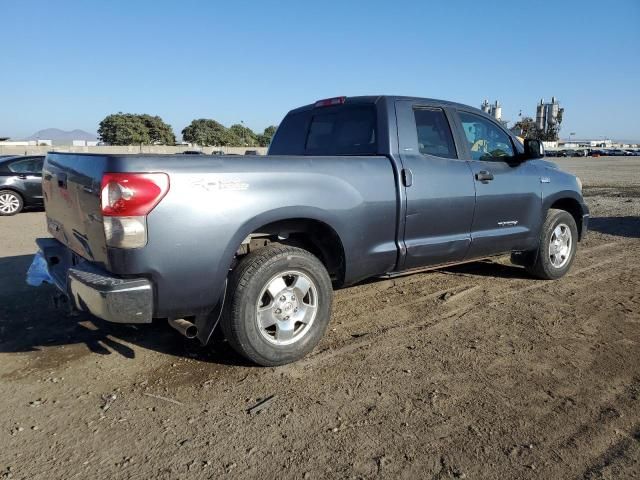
(9, 203)
(560, 246)
(287, 307)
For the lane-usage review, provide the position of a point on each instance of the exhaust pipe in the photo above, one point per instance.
(185, 327)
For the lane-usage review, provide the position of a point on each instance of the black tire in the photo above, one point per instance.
(539, 263)
(17, 197)
(247, 282)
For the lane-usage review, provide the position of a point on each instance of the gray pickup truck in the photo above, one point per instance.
(351, 188)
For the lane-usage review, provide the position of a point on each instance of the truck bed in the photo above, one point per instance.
(213, 204)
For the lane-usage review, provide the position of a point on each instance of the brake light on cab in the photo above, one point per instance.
(126, 200)
(328, 102)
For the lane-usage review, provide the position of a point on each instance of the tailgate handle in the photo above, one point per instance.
(62, 180)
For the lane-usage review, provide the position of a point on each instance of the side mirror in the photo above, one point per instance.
(533, 149)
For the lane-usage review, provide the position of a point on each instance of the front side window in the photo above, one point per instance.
(434, 133)
(487, 141)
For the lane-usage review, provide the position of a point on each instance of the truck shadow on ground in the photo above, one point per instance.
(628, 226)
(29, 322)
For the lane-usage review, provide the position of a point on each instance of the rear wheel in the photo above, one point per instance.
(10, 202)
(279, 305)
(556, 247)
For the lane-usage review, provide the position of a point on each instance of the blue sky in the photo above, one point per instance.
(67, 64)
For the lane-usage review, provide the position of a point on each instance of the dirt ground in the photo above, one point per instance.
(471, 372)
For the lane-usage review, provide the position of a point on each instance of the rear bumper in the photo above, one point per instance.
(91, 289)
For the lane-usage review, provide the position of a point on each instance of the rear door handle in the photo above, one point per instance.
(484, 176)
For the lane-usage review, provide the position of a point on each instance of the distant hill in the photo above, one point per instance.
(60, 137)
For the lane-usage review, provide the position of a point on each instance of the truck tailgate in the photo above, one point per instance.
(71, 189)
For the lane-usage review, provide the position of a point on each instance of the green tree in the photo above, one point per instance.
(207, 132)
(134, 129)
(264, 139)
(159, 132)
(244, 136)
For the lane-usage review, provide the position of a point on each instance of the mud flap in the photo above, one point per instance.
(207, 322)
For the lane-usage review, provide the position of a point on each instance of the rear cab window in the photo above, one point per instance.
(348, 129)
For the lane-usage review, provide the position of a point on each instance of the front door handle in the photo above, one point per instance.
(407, 177)
(484, 176)
(62, 180)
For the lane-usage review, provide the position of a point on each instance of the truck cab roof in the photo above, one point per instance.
(375, 99)
(363, 125)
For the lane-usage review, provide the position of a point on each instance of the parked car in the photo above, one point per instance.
(352, 188)
(566, 153)
(580, 153)
(20, 183)
(550, 153)
(251, 152)
(217, 152)
(192, 152)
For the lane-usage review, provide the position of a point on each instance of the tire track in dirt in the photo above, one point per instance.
(606, 438)
(442, 316)
(491, 289)
(622, 455)
(424, 283)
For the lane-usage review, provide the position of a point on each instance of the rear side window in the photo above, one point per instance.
(346, 130)
(434, 133)
(28, 165)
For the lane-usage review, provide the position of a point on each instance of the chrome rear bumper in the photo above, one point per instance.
(93, 290)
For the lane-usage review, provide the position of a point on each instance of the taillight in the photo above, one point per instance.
(126, 199)
(125, 194)
(327, 102)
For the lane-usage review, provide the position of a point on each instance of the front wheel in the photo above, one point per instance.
(278, 306)
(556, 247)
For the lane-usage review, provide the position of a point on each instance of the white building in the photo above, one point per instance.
(84, 143)
(26, 143)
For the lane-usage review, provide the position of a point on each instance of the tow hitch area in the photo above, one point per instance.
(86, 287)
